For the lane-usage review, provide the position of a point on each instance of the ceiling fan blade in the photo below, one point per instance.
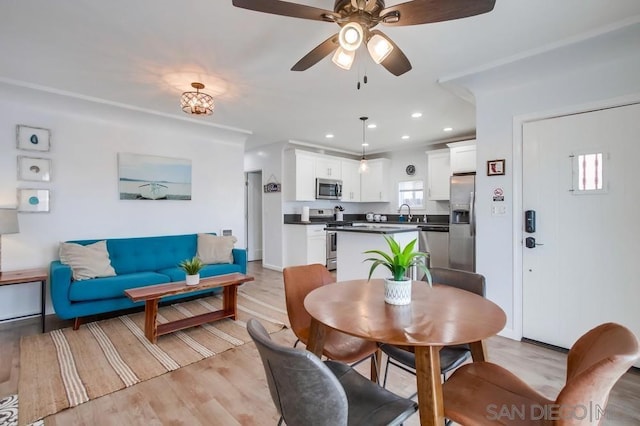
(426, 11)
(319, 52)
(396, 63)
(285, 8)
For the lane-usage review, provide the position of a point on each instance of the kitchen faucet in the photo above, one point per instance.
(408, 208)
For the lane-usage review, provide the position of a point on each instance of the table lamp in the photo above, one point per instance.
(8, 225)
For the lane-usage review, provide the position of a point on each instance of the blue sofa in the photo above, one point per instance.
(138, 262)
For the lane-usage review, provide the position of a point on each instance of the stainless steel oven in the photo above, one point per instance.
(332, 249)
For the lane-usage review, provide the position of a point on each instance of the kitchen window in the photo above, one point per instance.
(411, 192)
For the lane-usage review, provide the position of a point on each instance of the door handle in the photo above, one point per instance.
(530, 242)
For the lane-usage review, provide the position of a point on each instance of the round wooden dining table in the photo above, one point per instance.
(437, 316)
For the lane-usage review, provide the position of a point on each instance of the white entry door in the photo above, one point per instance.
(587, 270)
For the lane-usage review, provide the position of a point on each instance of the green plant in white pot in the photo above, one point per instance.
(192, 268)
(397, 289)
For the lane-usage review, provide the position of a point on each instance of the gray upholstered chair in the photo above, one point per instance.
(451, 357)
(482, 393)
(307, 391)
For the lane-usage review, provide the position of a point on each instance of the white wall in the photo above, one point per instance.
(86, 138)
(566, 80)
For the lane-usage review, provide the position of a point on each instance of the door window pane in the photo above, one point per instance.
(589, 173)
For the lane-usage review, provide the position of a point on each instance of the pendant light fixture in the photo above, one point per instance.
(364, 166)
(195, 102)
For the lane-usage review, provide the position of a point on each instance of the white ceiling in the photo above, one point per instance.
(144, 53)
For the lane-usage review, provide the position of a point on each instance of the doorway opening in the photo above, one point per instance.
(253, 215)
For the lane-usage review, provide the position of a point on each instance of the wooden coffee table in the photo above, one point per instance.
(152, 294)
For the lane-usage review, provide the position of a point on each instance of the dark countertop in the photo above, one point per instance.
(433, 220)
(374, 228)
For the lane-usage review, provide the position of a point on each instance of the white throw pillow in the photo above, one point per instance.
(90, 261)
(215, 249)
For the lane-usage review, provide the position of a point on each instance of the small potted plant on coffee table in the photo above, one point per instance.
(397, 289)
(192, 268)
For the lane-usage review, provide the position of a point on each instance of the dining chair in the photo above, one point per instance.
(483, 393)
(451, 357)
(300, 281)
(307, 391)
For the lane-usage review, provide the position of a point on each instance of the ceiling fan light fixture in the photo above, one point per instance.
(196, 103)
(351, 36)
(344, 58)
(379, 48)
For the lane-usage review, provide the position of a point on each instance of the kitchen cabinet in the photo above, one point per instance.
(328, 167)
(374, 183)
(304, 245)
(439, 171)
(350, 180)
(299, 175)
(463, 156)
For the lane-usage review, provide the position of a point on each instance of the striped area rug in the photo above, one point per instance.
(65, 368)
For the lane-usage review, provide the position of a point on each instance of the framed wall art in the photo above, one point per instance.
(495, 167)
(33, 200)
(148, 177)
(33, 138)
(35, 169)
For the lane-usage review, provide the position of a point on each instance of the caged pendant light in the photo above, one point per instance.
(195, 102)
(364, 165)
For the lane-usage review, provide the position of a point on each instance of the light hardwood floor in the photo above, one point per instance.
(230, 388)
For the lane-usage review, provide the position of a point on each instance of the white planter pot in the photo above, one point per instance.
(397, 292)
(193, 279)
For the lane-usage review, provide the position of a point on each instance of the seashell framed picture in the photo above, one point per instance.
(33, 138)
(35, 169)
(33, 200)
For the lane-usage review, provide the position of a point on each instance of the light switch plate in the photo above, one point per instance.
(498, 209)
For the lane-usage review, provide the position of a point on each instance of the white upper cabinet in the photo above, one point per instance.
(350, 180)
(299, 172)
(463, 156)
(301, 168)
(374, 183)
(439, 171)
(328, 167)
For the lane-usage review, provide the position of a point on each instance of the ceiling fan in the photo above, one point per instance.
(357, 18)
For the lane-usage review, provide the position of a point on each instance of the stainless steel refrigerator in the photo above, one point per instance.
(462, 226)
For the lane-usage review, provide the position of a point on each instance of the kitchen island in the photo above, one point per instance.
(354, 240)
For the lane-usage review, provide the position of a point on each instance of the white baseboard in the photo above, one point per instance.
(509, 333)
(272, 267)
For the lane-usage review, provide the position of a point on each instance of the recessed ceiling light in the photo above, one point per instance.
(372, 126)
(365, 144)
(416, 115)
(447, 129)
(329, 135)
(405, 137)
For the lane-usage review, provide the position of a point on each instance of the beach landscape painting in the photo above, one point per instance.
(150, 177)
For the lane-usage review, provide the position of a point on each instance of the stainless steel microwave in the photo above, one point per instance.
(328, 189)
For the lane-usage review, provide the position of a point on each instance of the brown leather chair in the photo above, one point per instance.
(483, 393)
(451, 357)
(300, 281)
